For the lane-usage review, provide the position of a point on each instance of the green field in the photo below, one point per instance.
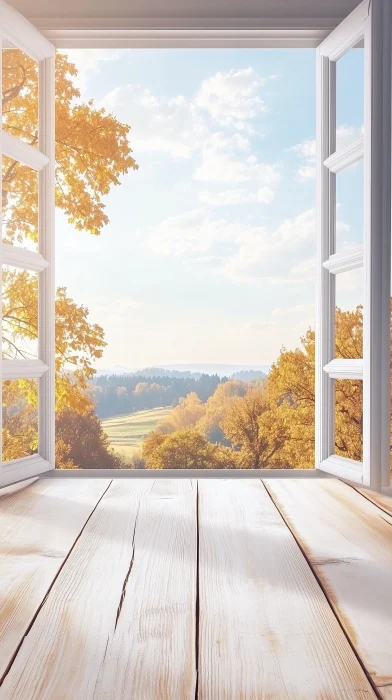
(127, 432)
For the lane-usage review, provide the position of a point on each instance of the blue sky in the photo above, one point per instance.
(210, 251)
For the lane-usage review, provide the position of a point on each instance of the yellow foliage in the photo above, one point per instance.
(184, 449)
(290, 387)
(92, 153)
(256, 430)
(20, 418)
(92, 149)
(184, 416)
(217, 407)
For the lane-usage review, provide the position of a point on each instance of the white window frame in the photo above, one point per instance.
(15, 30)
(370, 23)
(123, 33)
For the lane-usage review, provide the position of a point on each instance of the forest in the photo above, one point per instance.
(117, 394)
(242, 422)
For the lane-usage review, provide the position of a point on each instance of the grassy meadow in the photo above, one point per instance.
(127, 432)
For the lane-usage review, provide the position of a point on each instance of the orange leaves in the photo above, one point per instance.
(183, 449)
(92, 154)
(92, 150)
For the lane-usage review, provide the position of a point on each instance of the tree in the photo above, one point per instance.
(216, 410)
(184, 449)
(255, 429)
(185, 415)
(290, 388)
(20, 418)
(92, 153)
(81, 442)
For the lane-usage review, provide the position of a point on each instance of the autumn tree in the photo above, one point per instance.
(290, 388)
(82, 442)
(92, 153)
(184, 449)
(185, 415)
(254, 428)
(216, 408)
(20, 418)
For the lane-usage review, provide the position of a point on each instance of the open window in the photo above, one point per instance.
(367, 29)
(364, 375)
(28, 252)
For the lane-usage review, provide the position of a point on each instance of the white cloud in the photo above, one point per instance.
(249, 252)
(181, 125)
(221, 162)
(306, 150)
(172, 125)
(192, 232)
(274, 256)
(87, 61)
(238, 196)
(232, 98)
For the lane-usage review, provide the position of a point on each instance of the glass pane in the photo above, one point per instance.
(20, 95)
(20, 314)
(20, 418)
(350, 207)
(350, 96)
(348, 418)
(19, 204)
(348, 315)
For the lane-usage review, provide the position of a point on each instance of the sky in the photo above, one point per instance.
(209, 256)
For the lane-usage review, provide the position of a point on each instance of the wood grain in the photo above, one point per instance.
(38, 526)
(348, 541)
(266, 628)
(124, 603)
(151, 654)
(61, 656)
(379, 499)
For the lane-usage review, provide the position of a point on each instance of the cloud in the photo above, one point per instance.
(221, 162)
(238, 196)
(274, 255)
(306, 150)
(232, 98)
(88, 61)
(171, 125)
(181, 125)
(241, 251)
(192, 232)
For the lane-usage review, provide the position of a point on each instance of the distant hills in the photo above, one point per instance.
(242, 372)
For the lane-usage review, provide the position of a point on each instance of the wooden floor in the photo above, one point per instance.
(187, 590)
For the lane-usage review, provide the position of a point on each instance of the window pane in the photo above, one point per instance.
(350, 207)
(349, 96)
(348, 318)
(348, 418)
(20, 418)
(19, 204)
(20, 95)
(20, 314)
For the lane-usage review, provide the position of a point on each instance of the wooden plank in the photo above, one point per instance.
(151, 655)
(266, 628)
(38, 526)
(63, 656)
(348, 541)
(379, 499)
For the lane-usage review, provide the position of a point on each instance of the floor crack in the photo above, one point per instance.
(124, 588)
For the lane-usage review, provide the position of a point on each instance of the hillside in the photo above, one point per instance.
(126, 432)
